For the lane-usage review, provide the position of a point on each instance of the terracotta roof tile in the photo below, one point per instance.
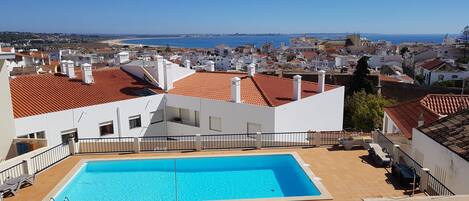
(445, 104)
(261, 89)
(39, 94)
(406, 115)
(432, 64)
(433, 106)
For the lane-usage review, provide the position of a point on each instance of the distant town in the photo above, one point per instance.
(375, 120)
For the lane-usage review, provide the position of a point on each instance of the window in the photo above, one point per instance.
(36, 135)
(254, 128)
(197, 123)
(454, 76)
(135, 121)
(441, 77)
(41, 135)
(184, 114)
(106, 128)
(72, 133)
(156, 117)
(215, 123)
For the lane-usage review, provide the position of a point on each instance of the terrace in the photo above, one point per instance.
(346, 174)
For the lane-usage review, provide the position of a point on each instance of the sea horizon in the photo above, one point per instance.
(234, 40)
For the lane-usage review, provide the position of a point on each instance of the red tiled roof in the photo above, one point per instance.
(433, 106)
(261, 89)
(40, 94)
(406, 115)
(445, 104)
(432, 64)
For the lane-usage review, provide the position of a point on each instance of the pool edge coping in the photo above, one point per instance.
(325, 195)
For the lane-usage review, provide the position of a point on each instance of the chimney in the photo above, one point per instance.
(168, 78)
(251, 69)
(210, 66)
(87, 73)
(187, 64)
(236, 90)
(71, 69)
(321, 80)
(296, 87)
(421, 120)
(63, 67)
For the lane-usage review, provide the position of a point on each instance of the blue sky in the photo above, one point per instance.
(234, 16)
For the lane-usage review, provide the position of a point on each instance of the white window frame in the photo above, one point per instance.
(253, 124)
(135, 117)
(212, 121)
(106, 124)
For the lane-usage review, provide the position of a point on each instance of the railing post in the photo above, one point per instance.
(316, 138)
(71, 146)
(136, 145)
(27, 167)
(198, 142)
(374, 136)
(424, 179)
(258, 140)
(395, 153)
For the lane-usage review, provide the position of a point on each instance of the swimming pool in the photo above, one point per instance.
(191, 179)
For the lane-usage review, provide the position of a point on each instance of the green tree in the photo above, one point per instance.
(465, 40)
(403, 50)
(365, 111)
(360, 77)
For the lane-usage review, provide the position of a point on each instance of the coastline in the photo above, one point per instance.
(119, 42)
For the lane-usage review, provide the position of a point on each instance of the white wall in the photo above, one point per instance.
(321, 112)
(7, 127)
(234, 115)
(87, 119)
(388, 125)
(456, 168)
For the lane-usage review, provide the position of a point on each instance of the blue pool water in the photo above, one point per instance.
(190, 179)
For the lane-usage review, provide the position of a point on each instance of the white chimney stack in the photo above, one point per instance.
(187, 64)
(71, 69)
(251, 69)
(421, 120)
(87, 73)
(296, 87)
(168, 78)
(210, 66)
(236, 90)
(321, 80)
(63, 67)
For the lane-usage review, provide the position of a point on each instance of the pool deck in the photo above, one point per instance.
(345, 174)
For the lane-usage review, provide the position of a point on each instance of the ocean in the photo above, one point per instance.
(258, 40)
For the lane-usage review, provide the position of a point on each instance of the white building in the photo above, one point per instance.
(403, 117)
(377, 61)
(442, 148)
(122, 57)
(7, 126)
(165, 99)
(436, 70)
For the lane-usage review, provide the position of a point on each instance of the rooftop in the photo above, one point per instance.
(405, 116)
(451, 132)
(263, 90)
(40, 94)
(433, 106)
(344, 174)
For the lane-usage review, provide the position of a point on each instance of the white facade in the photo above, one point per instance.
(123, 57)
(7, 126)
(448, 167)
(185, 115)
